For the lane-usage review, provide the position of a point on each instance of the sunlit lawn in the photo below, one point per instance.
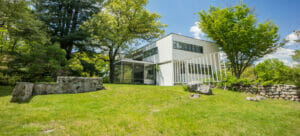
(147, 110)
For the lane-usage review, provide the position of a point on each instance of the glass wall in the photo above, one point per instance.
(134, 73)
(138, 73)
(149, 74)
(150, 52)
(126, 71)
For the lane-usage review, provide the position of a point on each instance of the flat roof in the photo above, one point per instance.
(135, 61)
(174, 34)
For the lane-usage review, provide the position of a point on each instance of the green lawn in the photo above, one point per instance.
(147, 110)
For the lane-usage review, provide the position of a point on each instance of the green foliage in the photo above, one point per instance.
(21, 24)
(272, 71)
(121, 23)
(22, 40)
(9, 79)
(88, 65)
(63, 19)
(157, 69)
(296, 57)
(39, 63)
(296, 76)
(46, 61)
(236, 31)
(232, 82)
(249, 73)
(4, 42)
(185, 88)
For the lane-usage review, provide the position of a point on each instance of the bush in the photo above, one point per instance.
(39, 63)
(88, 65)
(296, 76)
(6, 79)
(185, 88)
(249, 73)
(273, 71)
(232, 82)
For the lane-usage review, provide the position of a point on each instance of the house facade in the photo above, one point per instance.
(170, 60)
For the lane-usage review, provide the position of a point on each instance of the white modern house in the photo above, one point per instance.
(170, 60)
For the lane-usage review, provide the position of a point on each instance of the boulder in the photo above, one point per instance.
(195, 95)
(257, 98)
(199, 87)
(22, 92)
(260, 97)
(251, 99)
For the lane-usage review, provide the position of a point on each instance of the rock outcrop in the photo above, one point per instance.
(199, 87)
(24, 90)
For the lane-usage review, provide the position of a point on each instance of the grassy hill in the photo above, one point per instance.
(147, 110)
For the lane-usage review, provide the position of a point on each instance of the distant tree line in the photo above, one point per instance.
(43, 39)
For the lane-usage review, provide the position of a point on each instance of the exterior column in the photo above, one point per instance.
(211, 66)
(220, 68)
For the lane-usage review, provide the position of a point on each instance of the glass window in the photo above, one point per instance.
(187, 47)
(150, 52)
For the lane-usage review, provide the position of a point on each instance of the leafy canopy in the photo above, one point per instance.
(273, 71)
(236, 32)
(84, 64)
(64, 17)
(20, 25)
(120, 23)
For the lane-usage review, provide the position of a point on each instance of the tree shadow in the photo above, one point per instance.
(5, 90)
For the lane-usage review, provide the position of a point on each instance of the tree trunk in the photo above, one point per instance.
(69, 51)
(237, 75)
(111, 70)
(68, 47)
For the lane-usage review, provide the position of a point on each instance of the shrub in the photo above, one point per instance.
(273, 71)
(6, 79)
(232, 82)
(88, 65)
(296, 76)
(185, 88)
(38, 62)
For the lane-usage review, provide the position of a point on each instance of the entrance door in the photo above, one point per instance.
(138, 74)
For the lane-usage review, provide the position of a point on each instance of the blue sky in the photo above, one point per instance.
(181, 15)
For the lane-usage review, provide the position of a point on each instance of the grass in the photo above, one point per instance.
(147, 110)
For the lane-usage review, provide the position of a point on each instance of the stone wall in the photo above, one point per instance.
(286, 92)
(24, 90)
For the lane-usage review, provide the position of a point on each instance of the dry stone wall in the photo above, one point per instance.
(286, 92)
(24, 90)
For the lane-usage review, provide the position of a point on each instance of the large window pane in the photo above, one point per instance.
(187, 47)
(150, 52)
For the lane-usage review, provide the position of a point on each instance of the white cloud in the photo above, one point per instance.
(282, 54)
(197, 32)
(291, 38)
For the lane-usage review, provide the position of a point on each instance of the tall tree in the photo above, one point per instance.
(119, 24)
(21, 24)
(236, 31)
(64, 17)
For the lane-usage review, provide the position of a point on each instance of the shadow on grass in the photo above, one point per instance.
(6, 90)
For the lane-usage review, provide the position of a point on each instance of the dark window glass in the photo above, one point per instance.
(150, 52)
(187, 47)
